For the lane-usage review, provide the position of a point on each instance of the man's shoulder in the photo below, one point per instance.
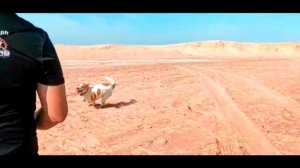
(26, 25)
(29, 25)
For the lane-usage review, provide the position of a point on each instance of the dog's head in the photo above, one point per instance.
(82, 88)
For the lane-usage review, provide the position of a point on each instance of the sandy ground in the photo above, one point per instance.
(174, 103)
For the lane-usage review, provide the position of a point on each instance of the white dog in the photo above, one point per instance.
(91, 93)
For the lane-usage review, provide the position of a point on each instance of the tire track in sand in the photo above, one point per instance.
(277, 98)
(256, 140)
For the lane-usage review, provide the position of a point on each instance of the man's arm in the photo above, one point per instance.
(54, 108)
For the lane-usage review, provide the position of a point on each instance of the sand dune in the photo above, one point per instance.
(183, 50)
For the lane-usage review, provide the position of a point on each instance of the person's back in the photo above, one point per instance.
(28, 62)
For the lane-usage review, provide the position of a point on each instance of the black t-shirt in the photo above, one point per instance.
(27, 57)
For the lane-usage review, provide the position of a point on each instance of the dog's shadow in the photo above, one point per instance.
(120, 104)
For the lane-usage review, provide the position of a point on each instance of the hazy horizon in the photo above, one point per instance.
(59, 44)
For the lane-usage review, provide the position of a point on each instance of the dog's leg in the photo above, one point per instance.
(94, 103)
(93, 99)
(103, 101)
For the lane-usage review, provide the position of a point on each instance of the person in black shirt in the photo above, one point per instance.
(28, 64)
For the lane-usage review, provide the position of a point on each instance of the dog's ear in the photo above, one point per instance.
(84, 85)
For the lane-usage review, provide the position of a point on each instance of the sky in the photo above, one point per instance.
(165, 28)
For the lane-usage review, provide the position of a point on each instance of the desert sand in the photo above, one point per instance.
(199, 98)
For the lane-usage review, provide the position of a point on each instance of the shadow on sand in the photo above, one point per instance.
(120, 104)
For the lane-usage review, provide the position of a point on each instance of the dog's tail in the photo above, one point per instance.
(112, 82)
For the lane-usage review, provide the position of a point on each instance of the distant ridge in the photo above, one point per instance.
(190, 49)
